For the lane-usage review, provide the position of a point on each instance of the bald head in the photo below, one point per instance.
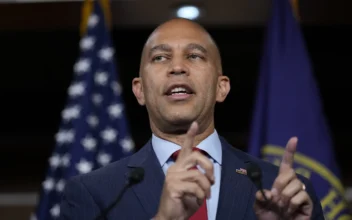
(183, 30)
(180, 23)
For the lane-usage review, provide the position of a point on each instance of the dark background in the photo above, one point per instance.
(37, 57)
(36, 69)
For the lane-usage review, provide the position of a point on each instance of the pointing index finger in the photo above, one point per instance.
(288, 157)
(189, 140)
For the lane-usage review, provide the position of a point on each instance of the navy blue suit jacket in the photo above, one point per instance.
(85, 196)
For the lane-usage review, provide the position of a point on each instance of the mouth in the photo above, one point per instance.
(179, 92)
(179, 89)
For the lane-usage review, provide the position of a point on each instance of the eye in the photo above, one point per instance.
(194, 56)
(158, 58)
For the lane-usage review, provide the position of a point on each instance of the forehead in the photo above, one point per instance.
(178, 36)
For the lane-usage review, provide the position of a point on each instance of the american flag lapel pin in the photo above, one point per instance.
(241, 171)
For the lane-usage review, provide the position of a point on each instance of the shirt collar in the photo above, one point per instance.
(164, 149)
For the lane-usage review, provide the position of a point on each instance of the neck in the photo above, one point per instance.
(205, 129)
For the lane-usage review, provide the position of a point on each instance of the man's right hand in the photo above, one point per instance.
(184, 188)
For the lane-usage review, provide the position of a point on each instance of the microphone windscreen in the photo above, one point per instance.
(136, 175)
(254, 173)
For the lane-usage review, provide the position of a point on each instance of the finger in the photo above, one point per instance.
(291, 190)
(300, 201)
(191, 188)
(288, 157)
(195, 176)
(189, 140)
(196, 158)
(260, 198)
(260, 202)
(281, 182)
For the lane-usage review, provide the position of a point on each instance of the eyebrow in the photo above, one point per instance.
(194, 46)
(167, 48)
(161, 47)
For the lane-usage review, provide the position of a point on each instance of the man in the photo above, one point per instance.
(180, 82)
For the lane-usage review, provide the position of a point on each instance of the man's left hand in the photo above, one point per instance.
(287, 198)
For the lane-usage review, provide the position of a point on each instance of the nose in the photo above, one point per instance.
(178, 67)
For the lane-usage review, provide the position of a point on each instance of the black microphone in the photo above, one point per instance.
(134, 177)
(255, 174)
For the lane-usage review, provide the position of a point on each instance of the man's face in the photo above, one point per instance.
(180, 76)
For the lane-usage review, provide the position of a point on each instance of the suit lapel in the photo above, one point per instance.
(235, 188)
(149, 191)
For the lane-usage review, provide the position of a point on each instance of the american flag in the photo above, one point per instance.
(94, 130)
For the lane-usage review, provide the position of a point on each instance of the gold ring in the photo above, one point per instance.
(303, 187)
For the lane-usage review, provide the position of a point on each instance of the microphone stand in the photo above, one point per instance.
(135, 176)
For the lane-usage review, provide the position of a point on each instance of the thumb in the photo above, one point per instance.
(260, 198)
(260, 202)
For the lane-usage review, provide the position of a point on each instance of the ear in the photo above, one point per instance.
(223, 88)
(137, 89)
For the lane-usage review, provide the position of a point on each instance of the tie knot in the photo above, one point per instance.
(175, 154)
